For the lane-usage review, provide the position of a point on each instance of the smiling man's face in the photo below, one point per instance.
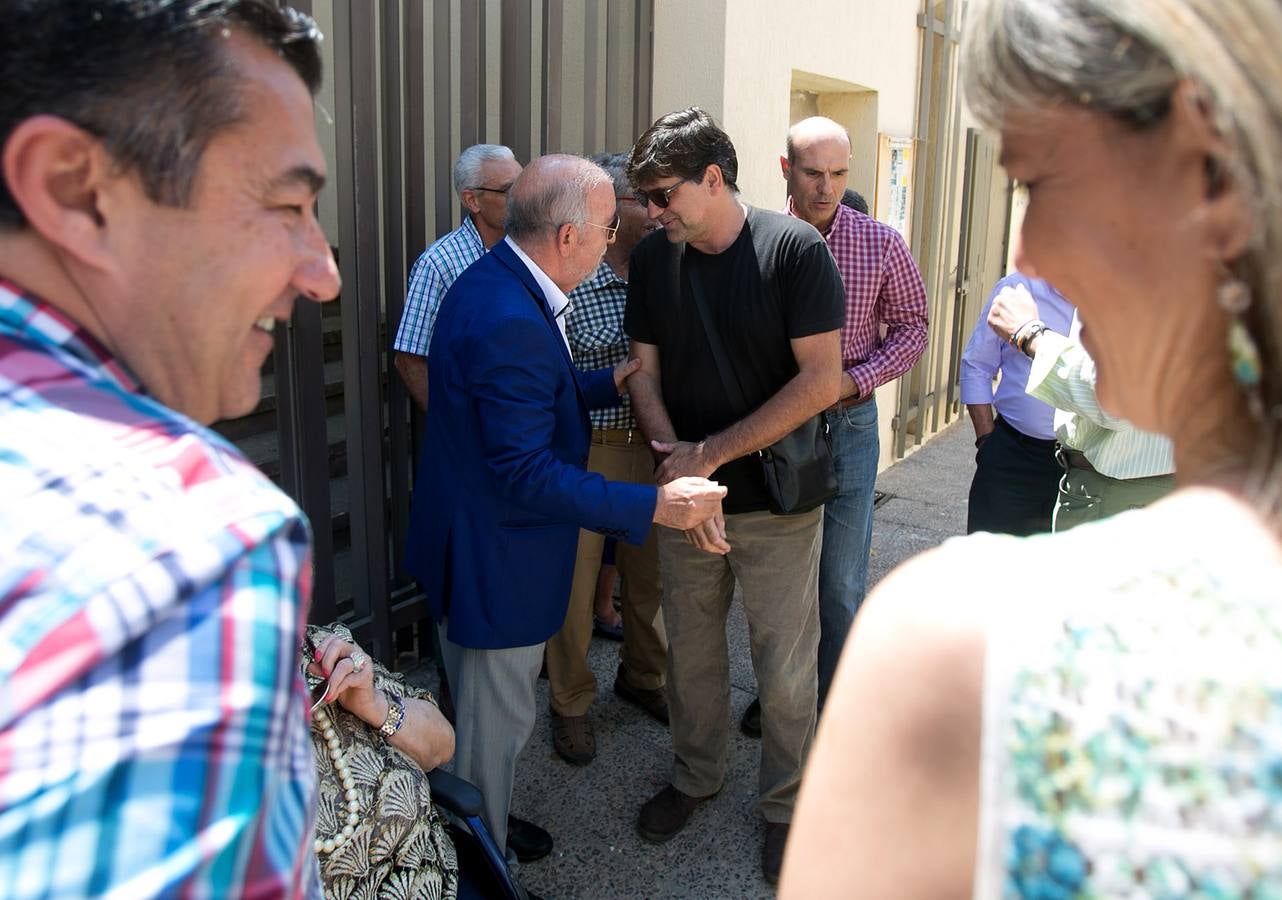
(202, 286)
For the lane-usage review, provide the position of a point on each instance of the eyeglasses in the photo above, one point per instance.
(497, 190)
(660, 197)
(608, 229)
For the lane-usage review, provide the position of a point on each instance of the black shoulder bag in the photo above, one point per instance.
(798, 467)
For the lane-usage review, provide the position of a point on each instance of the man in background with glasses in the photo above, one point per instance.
(594, 327)
(482, 176)
(774, 297)
(501, 491)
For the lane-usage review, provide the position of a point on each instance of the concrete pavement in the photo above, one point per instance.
(591, 811)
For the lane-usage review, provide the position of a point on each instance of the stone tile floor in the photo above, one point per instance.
(591, 811)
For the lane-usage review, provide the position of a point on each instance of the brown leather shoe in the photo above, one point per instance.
(573, 739)
(772, 850)
(666, 813)
(653, 701)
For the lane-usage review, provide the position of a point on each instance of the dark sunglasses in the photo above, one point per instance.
(660, 197)
(497, 190)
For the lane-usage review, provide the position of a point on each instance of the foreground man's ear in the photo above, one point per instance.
(57, 173)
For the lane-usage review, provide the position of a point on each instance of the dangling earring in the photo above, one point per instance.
(1244, 356)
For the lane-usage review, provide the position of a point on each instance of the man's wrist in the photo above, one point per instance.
(980, 438)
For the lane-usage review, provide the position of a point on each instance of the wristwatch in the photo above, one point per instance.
(395, 716)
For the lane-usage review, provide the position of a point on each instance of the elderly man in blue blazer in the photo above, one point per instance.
(502, 490)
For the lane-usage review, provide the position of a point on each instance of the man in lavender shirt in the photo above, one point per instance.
(1016, 476)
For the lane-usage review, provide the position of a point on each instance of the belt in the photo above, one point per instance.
(1072, 459)
(618, 436)
(846, 403)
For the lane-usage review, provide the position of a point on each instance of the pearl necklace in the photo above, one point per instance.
(344, 771)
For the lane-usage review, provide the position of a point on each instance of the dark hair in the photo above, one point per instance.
(149, 78)
(855, 201)
(683, 144)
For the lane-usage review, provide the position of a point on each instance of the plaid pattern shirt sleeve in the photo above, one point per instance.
(883, 287)
(430, 277)
(153, 735)
(594, 329)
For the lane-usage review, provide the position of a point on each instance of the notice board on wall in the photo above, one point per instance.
(894, 204)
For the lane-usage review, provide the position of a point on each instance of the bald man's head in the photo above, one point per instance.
(815, 129)
(816, 169)
(550, 192)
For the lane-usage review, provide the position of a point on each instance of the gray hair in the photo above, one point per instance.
(1125, 58)
(616, 166)
(552, 191)
(467, 168)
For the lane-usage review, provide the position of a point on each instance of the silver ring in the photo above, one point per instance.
(358, 661)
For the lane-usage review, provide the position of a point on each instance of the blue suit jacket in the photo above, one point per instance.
(501, 491)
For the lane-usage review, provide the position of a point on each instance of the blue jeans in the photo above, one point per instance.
(847, 538)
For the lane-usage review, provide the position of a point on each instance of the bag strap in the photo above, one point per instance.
(724, 369)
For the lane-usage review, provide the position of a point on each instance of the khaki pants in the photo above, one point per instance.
(775, 559)
(1087, 496)
(645, 647)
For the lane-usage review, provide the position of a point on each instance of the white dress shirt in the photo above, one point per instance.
(557, 301)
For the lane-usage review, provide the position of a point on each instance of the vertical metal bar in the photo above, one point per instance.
(553, 42)
(472, 72)
(591, 80)
(401, 122)
(642, 114)
(920, 241)
(947, 58)
(300, 412)
(614, 108)
(443, 153)
(362, 401)
(515, 123)
(962, 285)
(954, 145)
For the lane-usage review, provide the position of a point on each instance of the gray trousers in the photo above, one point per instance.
(494, 711)
(776, 562)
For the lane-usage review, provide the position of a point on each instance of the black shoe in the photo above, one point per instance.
(528, 841)
(666, 813)
(750, 724)
(772, 850)
(654, 702)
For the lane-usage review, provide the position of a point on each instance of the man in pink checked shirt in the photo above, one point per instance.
(883, 288)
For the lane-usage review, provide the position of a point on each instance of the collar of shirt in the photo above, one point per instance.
(556, 299)
(31, 319)
(843, 213)
(604, 276)
(468, 231)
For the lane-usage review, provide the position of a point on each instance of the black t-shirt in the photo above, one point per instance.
(776, 282)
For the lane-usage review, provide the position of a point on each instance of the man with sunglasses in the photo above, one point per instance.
(774, 296)
(594, 327)
(501, 491)
(483, 174)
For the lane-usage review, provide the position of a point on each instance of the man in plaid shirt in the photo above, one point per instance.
(594, 328)
(483, 174)
(884, 292)
(153, 584)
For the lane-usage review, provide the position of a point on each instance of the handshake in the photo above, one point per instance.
(693, 504)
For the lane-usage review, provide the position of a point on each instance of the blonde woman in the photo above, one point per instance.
(1100, 714)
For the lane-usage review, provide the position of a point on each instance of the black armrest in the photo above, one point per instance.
(452, 793)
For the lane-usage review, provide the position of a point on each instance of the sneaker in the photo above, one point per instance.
(666, 813)
(750, 724)
(772, 850)
(653, 701)
(573, 739)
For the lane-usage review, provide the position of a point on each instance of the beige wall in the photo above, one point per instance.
(745, 77)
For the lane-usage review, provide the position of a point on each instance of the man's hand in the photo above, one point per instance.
(688, 502)
(682, 458)
(1012, 307)
(623, 371)
(710, 536)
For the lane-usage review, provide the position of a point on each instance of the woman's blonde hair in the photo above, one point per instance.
(1125, 58)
